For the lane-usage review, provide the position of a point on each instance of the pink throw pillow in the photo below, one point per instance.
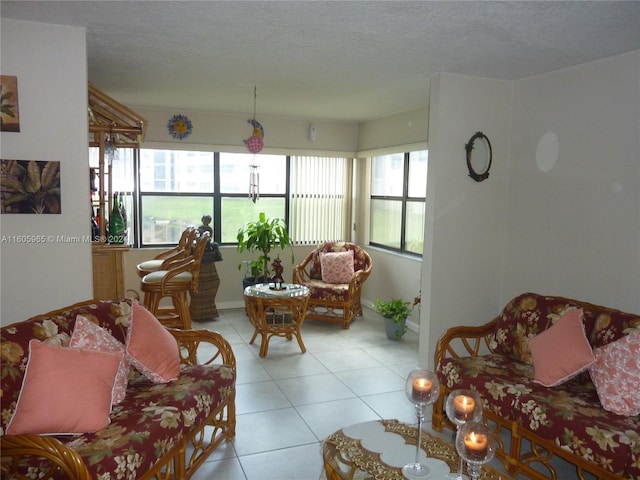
(87, 334)
(616, 375)
(337, 267)
(151, 348)
(65, 391)
(561, 351)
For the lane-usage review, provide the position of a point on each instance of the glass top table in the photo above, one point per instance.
(379, 449)
(276, 313)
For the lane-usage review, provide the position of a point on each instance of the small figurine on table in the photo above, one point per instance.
(277, 279)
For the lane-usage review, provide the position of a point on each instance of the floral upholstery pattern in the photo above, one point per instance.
(529, 314)
(333, 302)
(337, 267)
(359, 258)
(570, 416)
(149, 421)
(616, 375)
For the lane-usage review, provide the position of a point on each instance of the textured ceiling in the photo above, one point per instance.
(341, 60)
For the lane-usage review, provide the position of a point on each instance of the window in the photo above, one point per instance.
(235, 207)
(398, 191)
(175, 191)
(178, 187)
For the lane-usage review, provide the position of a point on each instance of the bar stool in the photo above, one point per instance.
(177, 281)
(182, 250)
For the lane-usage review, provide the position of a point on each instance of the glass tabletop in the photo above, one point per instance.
(288, 290)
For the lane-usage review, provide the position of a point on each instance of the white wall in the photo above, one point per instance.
(574, 230)
(50, 63)
(215, 131)
(465, 220)
(571, 228)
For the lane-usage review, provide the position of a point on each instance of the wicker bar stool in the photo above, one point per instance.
(181, 250)
(177, 281)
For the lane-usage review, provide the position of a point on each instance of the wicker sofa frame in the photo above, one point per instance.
(180, 462)
(521, 450)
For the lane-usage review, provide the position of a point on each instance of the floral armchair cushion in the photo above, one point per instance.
(529, 314)
(315, 266)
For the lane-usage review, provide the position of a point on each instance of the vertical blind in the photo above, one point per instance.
(320, 190)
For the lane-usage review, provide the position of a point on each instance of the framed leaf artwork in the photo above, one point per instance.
(9, 115)
(30, 186)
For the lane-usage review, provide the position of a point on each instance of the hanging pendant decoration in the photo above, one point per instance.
(254, 181)
(255, 143)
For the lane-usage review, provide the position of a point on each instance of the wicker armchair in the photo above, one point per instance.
(333, 302)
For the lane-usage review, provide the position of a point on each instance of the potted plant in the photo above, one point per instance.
(395, 313)
(262, 235)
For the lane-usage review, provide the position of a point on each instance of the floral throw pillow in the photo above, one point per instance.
(616, 375)
(87, 334)
(337, 267)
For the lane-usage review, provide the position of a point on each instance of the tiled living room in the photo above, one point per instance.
(289, 401)
(554, 85)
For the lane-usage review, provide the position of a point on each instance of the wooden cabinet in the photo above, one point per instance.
(108, 271)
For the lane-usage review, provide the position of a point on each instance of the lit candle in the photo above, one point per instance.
(463, 407)
(421, 392)
(476, 445)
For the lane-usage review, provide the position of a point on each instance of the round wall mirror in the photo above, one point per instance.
(479, 156)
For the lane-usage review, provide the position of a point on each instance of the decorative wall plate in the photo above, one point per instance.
(180, 127)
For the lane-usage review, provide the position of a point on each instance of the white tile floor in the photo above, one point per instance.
(288, 402)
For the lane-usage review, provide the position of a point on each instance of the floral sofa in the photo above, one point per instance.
(100, 390)
(334, 272)
(588, 356)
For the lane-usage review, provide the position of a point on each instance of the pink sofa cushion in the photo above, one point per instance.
(561, 351)
(65, 390)
(616, 375)
(150, 348)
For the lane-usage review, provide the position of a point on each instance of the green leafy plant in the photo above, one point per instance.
(397, 310)
(263, 235)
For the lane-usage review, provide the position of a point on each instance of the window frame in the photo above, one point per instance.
(405, 199)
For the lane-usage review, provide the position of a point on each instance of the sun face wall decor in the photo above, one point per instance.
(180, 127)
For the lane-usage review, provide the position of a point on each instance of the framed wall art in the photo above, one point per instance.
(30, 186)
(9, 114)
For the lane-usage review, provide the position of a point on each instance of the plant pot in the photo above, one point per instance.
(395, 331)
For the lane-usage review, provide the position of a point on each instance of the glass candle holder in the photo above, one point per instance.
(476, 445)
(422, 389)
(462, 406)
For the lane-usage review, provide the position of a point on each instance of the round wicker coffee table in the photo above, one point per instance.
(276, 313)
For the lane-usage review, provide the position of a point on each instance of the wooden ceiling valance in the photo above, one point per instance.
(109, 117)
